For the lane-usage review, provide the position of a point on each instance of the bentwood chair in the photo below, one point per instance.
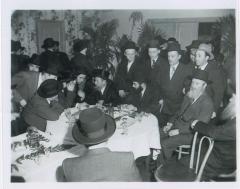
(177, 172)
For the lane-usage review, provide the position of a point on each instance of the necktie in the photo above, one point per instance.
(153, 63)
(172, 70)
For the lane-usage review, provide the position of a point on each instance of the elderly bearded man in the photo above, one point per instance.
(197, 105)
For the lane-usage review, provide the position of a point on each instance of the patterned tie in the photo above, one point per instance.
(172, 70)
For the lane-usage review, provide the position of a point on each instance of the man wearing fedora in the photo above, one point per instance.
(34, 63)
(216, 75)
(24, 84)
(80, 59)
(196, 105)
(47, 104)
(18, 61)
(191, 51)
(48, 54)
(98, 164)
(127, 71)
(145, 97)
(154, 62)
(106, 91)
(172, 79)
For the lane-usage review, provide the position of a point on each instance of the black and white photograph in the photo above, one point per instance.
(120, 95)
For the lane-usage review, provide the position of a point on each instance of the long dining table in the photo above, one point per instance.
(135, 132)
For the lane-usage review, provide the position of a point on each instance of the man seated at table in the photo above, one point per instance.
(98, 164)
(84, 87)
(196, 105)
(106, 91)
(222, 160)
(145, 97)
(47, 104)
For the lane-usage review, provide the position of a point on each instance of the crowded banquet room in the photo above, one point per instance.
(123, 95)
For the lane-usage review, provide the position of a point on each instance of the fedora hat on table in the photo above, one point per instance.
(93, 127)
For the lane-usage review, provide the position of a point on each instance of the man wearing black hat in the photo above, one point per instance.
(172, 79)
(98, 164)
(80, 59)
(191, 50)
(196, 105)
(127, 71)
(107, 93)
(25, 83)
(47, 104)
(34, 63)
(154, 63)
(222, 160)
(18, 61)
(145, 97)
(48, 55)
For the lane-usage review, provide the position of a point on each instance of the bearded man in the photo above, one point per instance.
(197, 105)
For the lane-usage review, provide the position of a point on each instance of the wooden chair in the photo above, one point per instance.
(177, 172)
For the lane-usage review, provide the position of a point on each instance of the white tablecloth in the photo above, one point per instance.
(141, 136)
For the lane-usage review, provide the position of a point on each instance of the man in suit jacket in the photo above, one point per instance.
(47, 104)
(196, 105)
(106, 91)
(216, 75)
(25, 84)
(154, 63)
(222, 160)
(98, 164)
(80, 59)
(127, 71)
(145, 97)
(172, 79)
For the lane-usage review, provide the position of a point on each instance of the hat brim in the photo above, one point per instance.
(210, 54)
(207, 81)
(110, 129)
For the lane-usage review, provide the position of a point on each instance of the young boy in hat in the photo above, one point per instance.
(196, 105)
(46, 104)
(98, 164)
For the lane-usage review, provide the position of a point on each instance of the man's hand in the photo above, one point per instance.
(194, 123)
(173, 132)
(167, 127)
(81, 94)
(71, 85)
(213, 115)
(23, 103)
(122, 93)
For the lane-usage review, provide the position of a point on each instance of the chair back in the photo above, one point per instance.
(199, 168)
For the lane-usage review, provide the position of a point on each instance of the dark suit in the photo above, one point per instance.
(18, 63)
(152, 73)
(38, 110)
(223, 157)
(110, 94)
(81, 61)
(24, 85)
(148, 102)
(46, 58)
(101, 165)
(171, 91)
(124, 78)
(201, 109)
(217, 88)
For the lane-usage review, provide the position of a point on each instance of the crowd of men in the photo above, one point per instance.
(182, 95)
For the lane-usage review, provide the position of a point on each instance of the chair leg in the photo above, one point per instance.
(179, 153)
